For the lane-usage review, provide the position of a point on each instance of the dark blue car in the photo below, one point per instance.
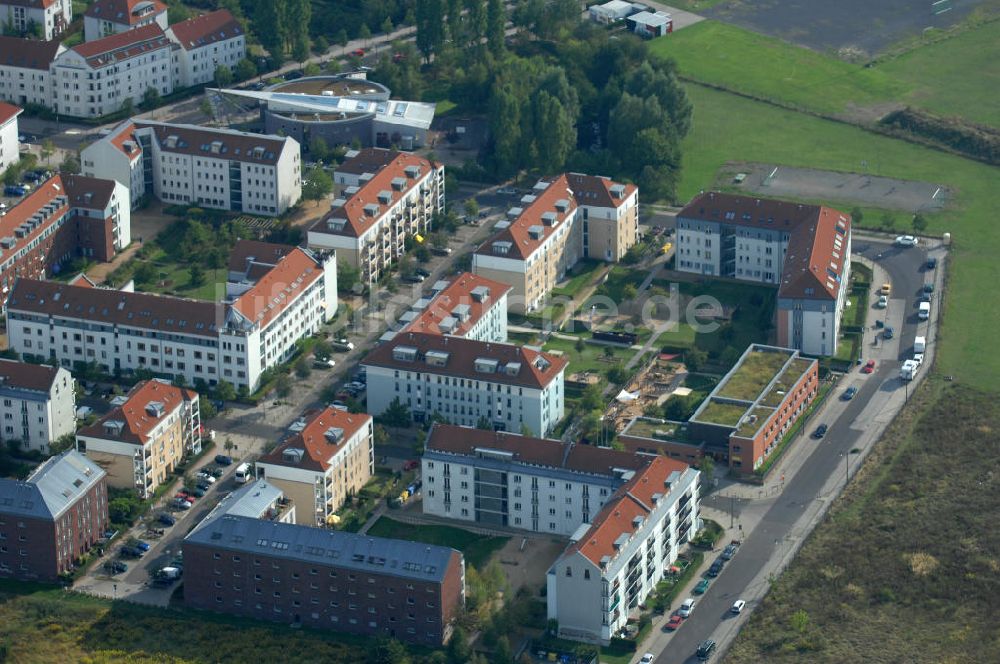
(223, 460)
(14, 190)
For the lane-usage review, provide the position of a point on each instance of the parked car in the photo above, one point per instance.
(931, 263)
(705, 649)
(358, 52)
(223, 460)
(422, 272)
(820, 431)
(293, 75)
(411, 464)
(398, 57)
(869, 367)
(886, 289)
(647, 658)
(413, 278)
(206, 476)
(906, 241)
(507, 191)
(142, 546)
(686, 608)
(339, 405)
(216, 472)
(442, 251)
(702, 587)
(888, 333)
(199, 490)
(929, 287)
(324, 363)
(715, 569)
(166, 519)
(31, 176)
(883, 302)
(182, 503)
(849, 393)
(115, 567)
(130, 552)
(674, 622)
(738, 606)
(14, 190)
(344, 342)
(729, 552)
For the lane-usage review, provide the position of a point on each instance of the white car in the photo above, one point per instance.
(205, 476)
(738, 606)
(686, 608)
(647, 658)
(883, 301)
(906, 241)
(918, 358)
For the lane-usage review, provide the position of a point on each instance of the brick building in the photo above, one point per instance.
(324, 579)
(52, 518)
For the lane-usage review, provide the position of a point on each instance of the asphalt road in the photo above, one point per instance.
(770, 539)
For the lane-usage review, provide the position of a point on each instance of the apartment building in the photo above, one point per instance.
(214, 168)
(804, 250)
(37, 404)
(97, 77)
(467, 382)
(467, 306)
(326, 579)
(369, 222)
(614, 562)
(51, 519)
(560, 222)
(506, 479)
(104, 18)
(235, 340)
(10, 146)
(64, 217)
(330, 458)
(255, 500)
(206, 42)
(139, 442)
(24, 70)
(44, 19)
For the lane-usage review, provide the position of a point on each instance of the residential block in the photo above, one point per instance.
(37, 404)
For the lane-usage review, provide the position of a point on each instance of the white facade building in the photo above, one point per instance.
(506, 479)
(37, 404)
(45, 18)
(10, 146)
(206, 43)
(614, 562)
(186, 164)
(235, 340)
(96, 78)
(24, 70)
(467, 382)
(109, 17)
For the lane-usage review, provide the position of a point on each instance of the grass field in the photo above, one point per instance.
(925, 509)
(957, 76)
(727, 127)
(477, 548)
(591, 358)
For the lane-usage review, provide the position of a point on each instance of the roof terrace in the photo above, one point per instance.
(753, 374)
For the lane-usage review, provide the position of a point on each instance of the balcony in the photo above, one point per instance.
(277, 511)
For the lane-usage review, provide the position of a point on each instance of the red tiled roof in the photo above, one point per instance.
(82, 280)
(458, 292)
(353, 211)
(27, 53)
(632, 499)
(462, 355)
(38, 377)
(124, 11)
(45, 4)
(125, 133)
(533, 451)
(138, 421)
(123, 45)
(8, 112)
(206, 29)
(318, 450)
(26, 208)
(813, 266)
(277, 289)
(518, 232)
(595, 190)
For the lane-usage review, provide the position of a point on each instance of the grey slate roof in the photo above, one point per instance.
(52, 488)
(412, 560)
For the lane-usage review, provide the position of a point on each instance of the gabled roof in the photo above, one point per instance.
(323, 437)
(28, 53)
(88, 193)
(52, 488)
(140, 310)
(528, 450)
(536, 222)
(26, 376)
(253, 251)
(279, 287)
(137, 416)
(366, 160)
(216, 143)
(333, 548)
(122, 46)
(30, 3)
(206, 29)
(355, 213)
(8, 112)
(22, 225)
(534, 369)
(816, 260)
(631, 500)
(124, 12)
(599, 191)
(475, 294)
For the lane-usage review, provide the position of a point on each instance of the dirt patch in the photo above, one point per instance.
(527, 559)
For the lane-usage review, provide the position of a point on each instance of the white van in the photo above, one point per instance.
(920, 344)
(925, 311)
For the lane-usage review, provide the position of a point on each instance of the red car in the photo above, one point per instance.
(358, 52)
(186, 496)
(398, 57)
(672, 624)
(411, 464)
(869, 367)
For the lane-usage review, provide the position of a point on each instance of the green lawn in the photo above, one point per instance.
(592, 358)
(619, 277)
(748, 62)
(957, 76)
(727, 127)
(584, 273)
(477, 548)
(757, 370)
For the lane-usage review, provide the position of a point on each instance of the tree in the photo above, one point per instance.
(580, 345)
(196, 274)
(919, 223)
(364, 33)
(387, 27)
(609, 352)
(471, 208)
(128, 107)
(283, 385)
(388, 651)
(630, 292)
(430, 33)
(799, 620)
(270, 21)
(340, 39)
(317, 184)
(300, 50)
(618, 375)
(224, 391)
(591, 399)
(245, 69)
(676, 408)
(64, 442)
(555, 132)
(302, 369)
(888, 220)
(318, 149)
(856, 216)
(48, 149)
(320, 45)
(502, 653)
(396, 414)
(71, 164)
(458, 647)
(347, 277)
(223, 76)
(496, 18)
(150, 98)
(145, 274)
(484, 423)
(695, 359)
(707, 467)
(312, 69)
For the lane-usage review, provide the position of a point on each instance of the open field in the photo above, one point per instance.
(477, 548)
(925, 509)
(727, 127)
(593, 357)
(957, 76)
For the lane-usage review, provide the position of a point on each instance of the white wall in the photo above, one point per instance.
(21, 85)
(101, 159)
(9, 145)
(114, 83)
